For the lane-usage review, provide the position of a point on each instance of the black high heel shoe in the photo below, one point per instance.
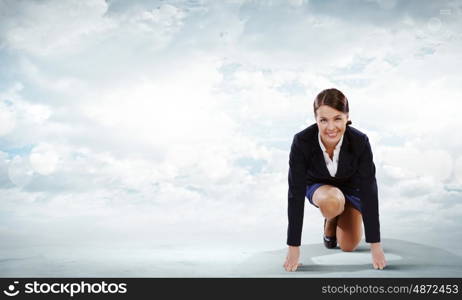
(330, 242)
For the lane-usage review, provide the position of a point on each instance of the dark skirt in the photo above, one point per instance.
(354, 200)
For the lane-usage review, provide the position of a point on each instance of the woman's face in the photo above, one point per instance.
(331, 124)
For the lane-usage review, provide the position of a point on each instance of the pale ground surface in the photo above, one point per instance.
(405, 259)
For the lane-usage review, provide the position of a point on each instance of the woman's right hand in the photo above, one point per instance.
(293, 254)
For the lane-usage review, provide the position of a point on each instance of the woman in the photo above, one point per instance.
(331, 164)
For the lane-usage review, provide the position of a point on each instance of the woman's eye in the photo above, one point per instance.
(338, 119)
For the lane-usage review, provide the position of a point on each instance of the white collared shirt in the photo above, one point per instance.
(331, 163)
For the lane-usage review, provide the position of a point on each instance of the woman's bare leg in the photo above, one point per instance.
(349, 228)
(331, 202)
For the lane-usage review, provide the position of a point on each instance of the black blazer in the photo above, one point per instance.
(355, 173)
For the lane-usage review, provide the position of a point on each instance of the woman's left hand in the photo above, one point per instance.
(378, 257)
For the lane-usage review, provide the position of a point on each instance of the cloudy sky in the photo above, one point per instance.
(171, 121)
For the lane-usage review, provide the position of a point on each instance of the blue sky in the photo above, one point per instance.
(172, 120)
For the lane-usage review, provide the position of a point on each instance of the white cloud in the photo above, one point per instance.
(20, 171)
(416, 161)
(7, 119)
(458, 169)
(44, 159)
(49, 27)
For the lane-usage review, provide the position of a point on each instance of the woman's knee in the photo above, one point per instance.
(330, 201)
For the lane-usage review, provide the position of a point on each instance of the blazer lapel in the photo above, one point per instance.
(318, 160)
(345, 157)
(317, 157)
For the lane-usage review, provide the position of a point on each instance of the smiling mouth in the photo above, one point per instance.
(332, 135)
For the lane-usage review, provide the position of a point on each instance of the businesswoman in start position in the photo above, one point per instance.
(331, 164)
